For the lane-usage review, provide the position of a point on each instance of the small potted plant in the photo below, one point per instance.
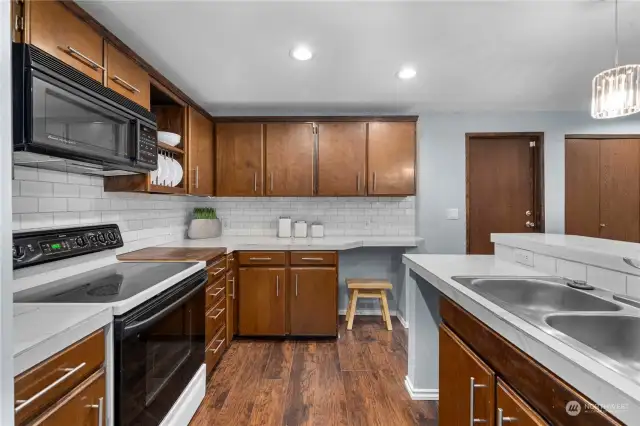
(205, 224)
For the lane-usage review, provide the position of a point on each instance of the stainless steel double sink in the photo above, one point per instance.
(596, 322)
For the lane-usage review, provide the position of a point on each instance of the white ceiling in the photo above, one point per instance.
(232, 57)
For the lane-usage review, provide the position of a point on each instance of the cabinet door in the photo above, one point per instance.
(289, 148)
(239, 159)
(200, 154)
(512, 409)
(342, 154)
(467, 385)
(232, 305)
(128, 78)
(56, 30)
(620, 189)
(313, 301)
(392, 158)
(582, 187)
(262, 301)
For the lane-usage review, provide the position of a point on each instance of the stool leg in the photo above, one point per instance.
(352, 309)
(350, 295)
(385, 309)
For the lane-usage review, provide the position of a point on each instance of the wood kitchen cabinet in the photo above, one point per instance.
(239, 159)
(391, 158)
(232, 301)
(200, 135)
(289, 159)
(262, 301)
(313, 301)
(126, 77)
(513, 409)
(602, 188)
(56, 30)
(342, 159)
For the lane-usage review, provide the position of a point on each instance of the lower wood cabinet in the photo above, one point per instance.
(262, 301)
(513, 409)
(313, 299)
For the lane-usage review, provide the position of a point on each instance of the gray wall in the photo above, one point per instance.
(441, 165)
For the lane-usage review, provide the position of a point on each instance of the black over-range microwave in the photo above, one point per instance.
(65, 120)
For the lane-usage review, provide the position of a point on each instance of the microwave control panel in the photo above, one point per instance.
(147, 150)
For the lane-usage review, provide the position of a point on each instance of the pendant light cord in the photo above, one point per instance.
(616, 18)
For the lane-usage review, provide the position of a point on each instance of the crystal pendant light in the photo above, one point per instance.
(616, 92)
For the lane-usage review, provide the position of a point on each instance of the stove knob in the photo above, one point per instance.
(112, 236)
(18, 252)
(101, 238)
(81, 242)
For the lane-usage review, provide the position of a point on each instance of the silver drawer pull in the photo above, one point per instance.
(314, 259)
(220, 290)
(217, 347)
(125, 84)
(259, 259)
(233, 287)
(220, 311)
(70, 372)
(218, 270)
(100, 407)
(472, 388)
(502, 419)
(93, 64)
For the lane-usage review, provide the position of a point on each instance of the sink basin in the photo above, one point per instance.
(615, 336)
(541, 295)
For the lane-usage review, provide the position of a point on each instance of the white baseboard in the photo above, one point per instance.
(420, 394)
(403, 321)
(187, 404)
(368, 312)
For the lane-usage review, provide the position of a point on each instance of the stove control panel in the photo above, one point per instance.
(34, 248)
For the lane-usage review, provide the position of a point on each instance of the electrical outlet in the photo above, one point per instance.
(523, 257)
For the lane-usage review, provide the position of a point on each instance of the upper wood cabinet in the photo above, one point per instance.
(392, 158)
(289, 159)
(200, 134)
(126, 77)
(239, 159)
(57, 31)
(313, 298)
(342, 158)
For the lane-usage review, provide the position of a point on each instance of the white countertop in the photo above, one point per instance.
(233, 243)
(598, 382)
(40, 331)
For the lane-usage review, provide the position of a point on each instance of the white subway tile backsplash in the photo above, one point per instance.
(606, 279)
(15, 188)
(572, 270)
(51, 176)
(90, 191)
(15, 222)
(66, 218)
(25, 205)
(79, 204)
(65, 190)
(36, 220)
(545, 264)
(25, 173)
(36, 189)
(79, 179)
(90, 217)
(52, 204)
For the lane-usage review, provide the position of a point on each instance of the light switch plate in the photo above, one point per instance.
(523, 257)
(452, 214)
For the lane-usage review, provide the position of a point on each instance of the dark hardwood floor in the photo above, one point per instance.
(357, 380)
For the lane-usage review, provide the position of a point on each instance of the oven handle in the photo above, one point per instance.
(137, 327)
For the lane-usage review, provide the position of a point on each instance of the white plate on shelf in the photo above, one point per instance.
(154, 173)
(163, 174)
(172, 171)
(179, 173)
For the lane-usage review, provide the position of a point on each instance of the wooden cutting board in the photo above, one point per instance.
(173, 254)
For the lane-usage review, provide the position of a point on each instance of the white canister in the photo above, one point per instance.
(317, 230)
(300, 229)
(284, 227)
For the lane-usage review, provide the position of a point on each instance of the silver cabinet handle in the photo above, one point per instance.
(271, 181)
(70, 372)
(259, 259)
(220, 311)
(100, 407)
(296, 285)
(502, 419)
(374, 181)
(125, 84)
(358, 182)
(255, 181)
(217, 292)
(313, 259)
(217, 347)
(218, 270)
(233, 287)
(197, 176)
(277, 285)
(93, 64)
(472, 400)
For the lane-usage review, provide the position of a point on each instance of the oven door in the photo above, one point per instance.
(67, 120)
(159, 347)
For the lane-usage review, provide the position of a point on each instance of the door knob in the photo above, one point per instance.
(528, 213)
(602, 225)
(530, 224)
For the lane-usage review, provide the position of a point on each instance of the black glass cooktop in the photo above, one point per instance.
(107, 284)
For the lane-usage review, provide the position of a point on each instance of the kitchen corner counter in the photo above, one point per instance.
(601, 384)
(40, 331)
(233, 243)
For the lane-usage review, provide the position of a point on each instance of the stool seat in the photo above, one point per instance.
(370, 288)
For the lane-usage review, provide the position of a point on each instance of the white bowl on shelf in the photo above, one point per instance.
(169, 138)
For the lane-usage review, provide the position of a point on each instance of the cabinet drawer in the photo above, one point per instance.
(214, 350)
(126, 77)
(313, 258)
(49, 381)
(215, 292)
(56, 30)
(261, 258)
(84, 406)
(217, 269)
(216, 317)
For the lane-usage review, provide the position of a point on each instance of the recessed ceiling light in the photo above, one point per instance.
(406, 73)
(301, 53)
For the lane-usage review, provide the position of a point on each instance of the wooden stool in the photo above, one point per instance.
(369, 289)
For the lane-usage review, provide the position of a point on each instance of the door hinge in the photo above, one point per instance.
(532, 144)
(315, 129)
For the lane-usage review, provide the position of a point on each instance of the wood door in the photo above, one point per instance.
(392, 158)
(511, 407)
(200, 148)
(342, 159)
(313, 298)
(582, 187)
(289, 164)
(500, 188)
(128, 78)
(620, 189)
(262, 301)
(239, 159)
(56, 30)
(459, 369)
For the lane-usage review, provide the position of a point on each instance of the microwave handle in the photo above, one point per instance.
(142, 325)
